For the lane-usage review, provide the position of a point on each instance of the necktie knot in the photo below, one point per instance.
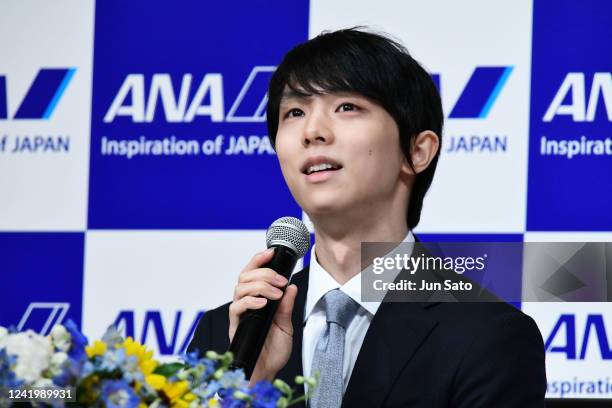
(340, 308)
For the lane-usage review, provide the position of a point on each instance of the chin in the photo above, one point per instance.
(323, 208)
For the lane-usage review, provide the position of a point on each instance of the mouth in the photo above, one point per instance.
(320, 164)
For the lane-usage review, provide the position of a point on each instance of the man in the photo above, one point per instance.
(356, 123)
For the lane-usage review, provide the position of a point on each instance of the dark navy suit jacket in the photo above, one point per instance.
(425, 354)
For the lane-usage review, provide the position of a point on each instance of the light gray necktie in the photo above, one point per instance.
(329, 353)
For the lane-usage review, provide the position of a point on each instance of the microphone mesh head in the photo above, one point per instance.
(291, 232)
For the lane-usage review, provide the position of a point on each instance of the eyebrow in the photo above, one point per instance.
(292, 94)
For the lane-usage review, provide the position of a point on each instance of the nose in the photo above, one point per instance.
(318, 129)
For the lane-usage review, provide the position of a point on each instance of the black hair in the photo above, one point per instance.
(372, 65)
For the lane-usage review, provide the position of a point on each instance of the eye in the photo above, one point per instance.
(295, 112)
(347, 107)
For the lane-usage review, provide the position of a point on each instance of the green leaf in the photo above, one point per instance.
(168, 369)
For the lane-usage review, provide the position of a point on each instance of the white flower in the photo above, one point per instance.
(3, 336)
(44, 383)
(59, 358)
(57, 361)
(60, 338)
(33, 354)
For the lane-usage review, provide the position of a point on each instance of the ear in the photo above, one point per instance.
(425, 145)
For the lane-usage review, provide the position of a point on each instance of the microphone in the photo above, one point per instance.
(291, 240)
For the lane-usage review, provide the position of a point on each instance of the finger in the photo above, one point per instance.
(258, 288)
(259, 259)
(263, 274)
(285, 309)
(247, 303)
(236, 309)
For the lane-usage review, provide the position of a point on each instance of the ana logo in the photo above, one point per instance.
(43, 96)
(562, 338)
(42, 316)
(480, 93)
(153, 326)
(475, 102)
(135, 101)
(581, 109)
(139, 104)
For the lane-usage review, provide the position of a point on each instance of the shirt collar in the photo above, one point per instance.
(320, 282)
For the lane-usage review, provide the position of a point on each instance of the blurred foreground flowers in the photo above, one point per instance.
(115, 372)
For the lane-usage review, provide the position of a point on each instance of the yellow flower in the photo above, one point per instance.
(189, 397)
(142, 405)
(148, 366)
(177, 392)
(157, 381)
(213, 403)
(132, 348)
(184, 401)
(97, 349)
(174, 391)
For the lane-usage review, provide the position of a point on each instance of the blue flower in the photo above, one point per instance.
(112, 360)
(131, 370)
(264, 395)
(64, 378)
(191, 358)
(233, 379)
(209, 367)
(225, 393)
(207, 390)
(199, 369)
(79, 341)
(230, 402)
(73, 372)
(8, 378)
(112, 337)
(87, 369)
(227, 385)
(118, 394)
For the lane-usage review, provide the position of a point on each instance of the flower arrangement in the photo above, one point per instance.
(116, 372)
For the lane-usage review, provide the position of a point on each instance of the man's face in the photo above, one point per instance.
(339, 152)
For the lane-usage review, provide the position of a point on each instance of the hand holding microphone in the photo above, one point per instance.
(261, 330)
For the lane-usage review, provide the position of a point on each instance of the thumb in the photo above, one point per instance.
(285, 309)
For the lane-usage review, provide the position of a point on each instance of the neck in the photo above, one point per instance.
(338, 247)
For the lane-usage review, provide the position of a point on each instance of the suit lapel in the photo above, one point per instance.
(394, 336)
(294, 365)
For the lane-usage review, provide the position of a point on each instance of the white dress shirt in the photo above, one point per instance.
(319, 283)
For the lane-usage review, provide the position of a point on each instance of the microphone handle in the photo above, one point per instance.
(254, 325)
